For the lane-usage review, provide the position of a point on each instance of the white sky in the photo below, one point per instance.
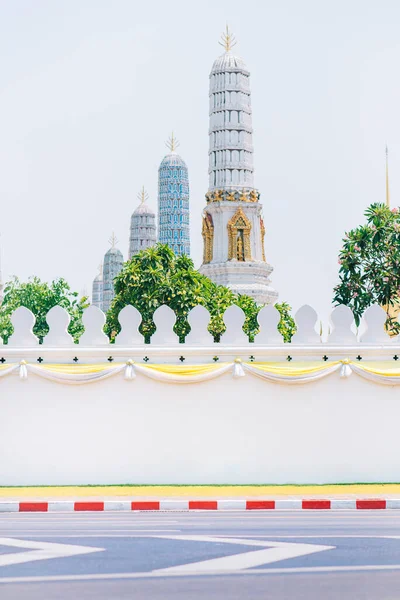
(91, 89)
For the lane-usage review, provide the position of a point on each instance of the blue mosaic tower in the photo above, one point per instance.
(173, 201)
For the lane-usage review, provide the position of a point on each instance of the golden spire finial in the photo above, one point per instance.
(387, 179)
(143, 196)
(172, 143)
(113, 240)
(228, 40)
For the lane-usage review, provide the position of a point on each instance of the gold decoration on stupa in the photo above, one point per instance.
(262, 235)
(244, 197)
(228, 40)
(253, 196)
(143, 196)
(239, 228)
(113, 240)
(208, 237)
(172, 143)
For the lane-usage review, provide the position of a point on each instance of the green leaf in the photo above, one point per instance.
(157, 276)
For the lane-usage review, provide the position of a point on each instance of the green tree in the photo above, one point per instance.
(39, 297)
(156, 276)
(370, 265)
(286, 326)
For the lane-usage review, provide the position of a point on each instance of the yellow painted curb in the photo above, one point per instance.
(194, 491)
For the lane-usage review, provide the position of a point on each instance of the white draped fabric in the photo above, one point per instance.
(276, 372)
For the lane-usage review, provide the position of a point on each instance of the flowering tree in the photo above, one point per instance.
(370, 265)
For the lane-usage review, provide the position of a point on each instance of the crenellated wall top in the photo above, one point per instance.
(341, 337)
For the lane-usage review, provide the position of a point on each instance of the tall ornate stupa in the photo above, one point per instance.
(233, 228)
(143, 226)
(173, 201)
(97, 289)
(113, 263)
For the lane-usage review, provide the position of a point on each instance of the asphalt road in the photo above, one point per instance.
(236, 555)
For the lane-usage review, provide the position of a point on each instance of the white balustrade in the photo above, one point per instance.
(164, 319)
(23, 322)
(306, 319)
(374, 318)
(268, 319)
(58, 321)
(234, 335)
(199, 320)
(342, 329)
(342, 320)
(129, 318)
(93, 321)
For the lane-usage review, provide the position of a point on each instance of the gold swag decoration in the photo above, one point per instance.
(380, 372)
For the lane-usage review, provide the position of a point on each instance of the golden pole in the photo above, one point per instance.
(387, 179)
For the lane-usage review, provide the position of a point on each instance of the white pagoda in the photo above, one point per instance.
(142, 233)
(112, 265)
(97, 289)
(233, 228)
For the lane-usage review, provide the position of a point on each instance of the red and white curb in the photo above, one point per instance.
(189, 505)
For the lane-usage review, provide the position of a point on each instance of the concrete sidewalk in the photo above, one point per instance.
(174, 492)
(103, 498)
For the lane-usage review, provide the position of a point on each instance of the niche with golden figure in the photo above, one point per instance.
(208, 238)
(239, 228)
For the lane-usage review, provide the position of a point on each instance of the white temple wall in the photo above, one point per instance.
(222, 431)
(339, 424)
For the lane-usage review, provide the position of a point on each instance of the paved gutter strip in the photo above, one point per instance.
(193, 505)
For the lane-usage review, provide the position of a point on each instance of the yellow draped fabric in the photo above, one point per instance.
(296, 372)
(183, 373)
(293, 369)
(185, 370)
(384, 368)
